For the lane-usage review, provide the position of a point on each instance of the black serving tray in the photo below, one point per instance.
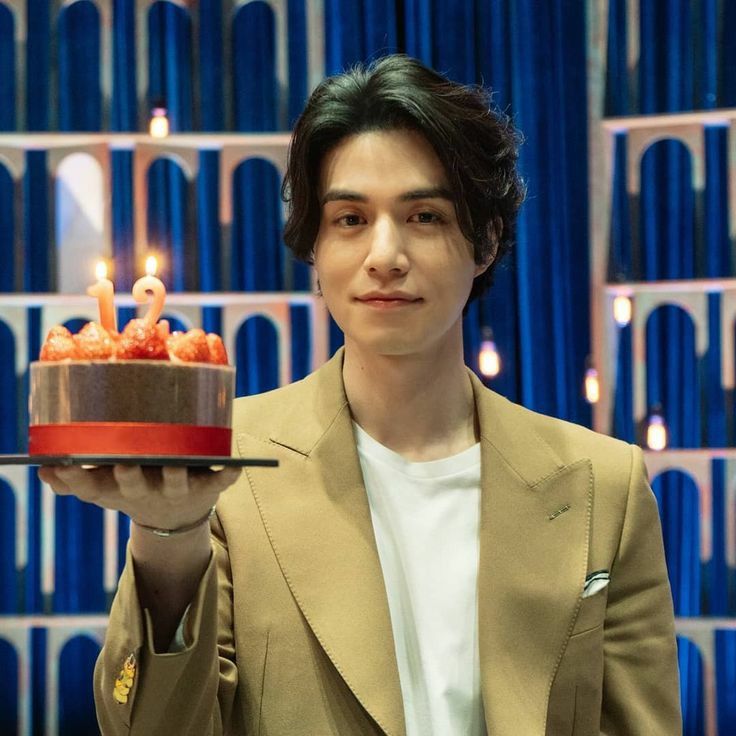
(190, 461)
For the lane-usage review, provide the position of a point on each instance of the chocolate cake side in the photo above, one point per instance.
(99, 401)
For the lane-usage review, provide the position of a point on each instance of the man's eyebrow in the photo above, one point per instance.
(344, 195)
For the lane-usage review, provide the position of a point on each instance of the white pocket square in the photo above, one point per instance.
(595, 581)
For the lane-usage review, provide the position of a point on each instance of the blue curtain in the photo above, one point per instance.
(169, 228)
(78, 29)
(76, 705)
(7, 70)
(124, 108)
(7, 231)
(256, 241)
(533, 56)
(9, 696)
(38, 69)
(8, 578)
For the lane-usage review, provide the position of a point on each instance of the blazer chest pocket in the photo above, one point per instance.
(592, 612)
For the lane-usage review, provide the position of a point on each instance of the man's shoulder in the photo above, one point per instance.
(571, 441)
(563, 433)
(613, 462)
(252, 411)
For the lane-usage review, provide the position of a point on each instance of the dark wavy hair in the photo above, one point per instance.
(476, 144)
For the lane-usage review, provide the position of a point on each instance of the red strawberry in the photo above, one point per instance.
(218, 354)
(59, 345)
(58, 331)
(190, 347)
(94, 342)
(141, 341)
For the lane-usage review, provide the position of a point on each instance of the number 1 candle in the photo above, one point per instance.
(105, 293)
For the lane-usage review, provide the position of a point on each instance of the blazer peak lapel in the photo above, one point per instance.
(315, 511)
(535, 524)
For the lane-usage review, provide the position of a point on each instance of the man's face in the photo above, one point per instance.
(388, 228)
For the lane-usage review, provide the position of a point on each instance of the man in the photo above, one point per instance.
(428, 558)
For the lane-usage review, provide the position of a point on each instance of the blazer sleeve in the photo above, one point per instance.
(640, 676)
(139, 692)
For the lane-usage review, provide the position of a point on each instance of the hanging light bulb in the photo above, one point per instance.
(656, 430)
(622, 310)
(489, 361)
(159, 125)
(592, 386)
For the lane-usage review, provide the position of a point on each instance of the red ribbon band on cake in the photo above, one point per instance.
(128, 438)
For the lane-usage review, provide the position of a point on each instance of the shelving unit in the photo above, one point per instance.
(640, 133)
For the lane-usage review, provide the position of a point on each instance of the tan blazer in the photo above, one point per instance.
(290, 634)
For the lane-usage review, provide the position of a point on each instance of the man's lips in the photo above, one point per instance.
(389, 302)
(389, 296)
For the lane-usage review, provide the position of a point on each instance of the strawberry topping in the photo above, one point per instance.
(59, 345)
(94, 342)
(218, 354)
(138, 341)
(141, 341)
(190, 347)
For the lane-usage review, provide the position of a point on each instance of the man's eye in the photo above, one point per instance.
(348, 220)
(428, 218)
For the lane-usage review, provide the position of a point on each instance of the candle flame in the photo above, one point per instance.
(151, 265)
(101, 270)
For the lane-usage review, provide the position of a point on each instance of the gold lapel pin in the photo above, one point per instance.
(124, 681)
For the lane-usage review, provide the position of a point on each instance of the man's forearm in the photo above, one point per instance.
(168, 572)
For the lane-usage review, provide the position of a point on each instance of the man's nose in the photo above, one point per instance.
(387, 247)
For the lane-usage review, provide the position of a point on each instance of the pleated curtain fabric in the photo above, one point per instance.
(533, 55)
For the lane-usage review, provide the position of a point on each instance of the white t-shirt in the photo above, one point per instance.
(426, 517)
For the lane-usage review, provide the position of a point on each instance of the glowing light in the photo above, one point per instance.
(489, 361)
(592, 386)
(100, 270)
(622, 310)
(656, 432)
(151, 265)
(159, 125)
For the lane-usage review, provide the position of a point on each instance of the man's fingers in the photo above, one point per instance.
(88, 485)
(48, 475)
(209, 481)
(227, 476)
(134, 482)
(175, 483)
(130, 480)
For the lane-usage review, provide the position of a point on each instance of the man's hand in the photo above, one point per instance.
(165, 497)
(168, 570)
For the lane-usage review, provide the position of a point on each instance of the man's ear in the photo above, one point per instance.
(495, 228)
(482, 267)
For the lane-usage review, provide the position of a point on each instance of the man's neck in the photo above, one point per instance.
(420, 405)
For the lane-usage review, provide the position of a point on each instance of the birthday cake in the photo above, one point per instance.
(143, 391)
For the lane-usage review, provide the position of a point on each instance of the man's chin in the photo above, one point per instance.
(396, 346)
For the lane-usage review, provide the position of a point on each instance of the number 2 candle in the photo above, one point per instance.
(149, 287)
